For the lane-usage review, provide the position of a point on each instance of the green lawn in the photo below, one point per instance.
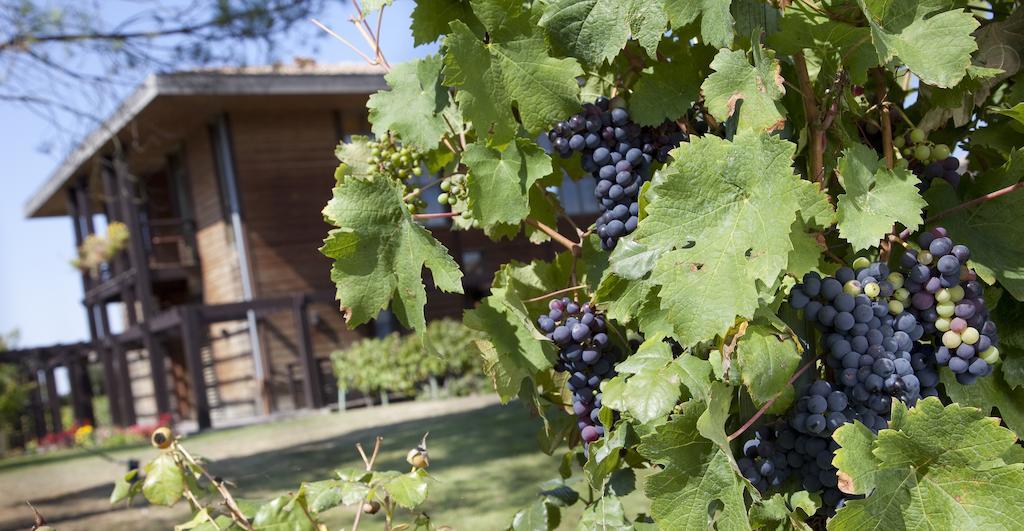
(485, 460)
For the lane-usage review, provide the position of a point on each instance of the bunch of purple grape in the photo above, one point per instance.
(946, 297)
(869, 339)
(619, 153)
(580, 331)
(801, 445)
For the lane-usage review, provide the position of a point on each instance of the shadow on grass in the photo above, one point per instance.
(62, 455)
(488, 441)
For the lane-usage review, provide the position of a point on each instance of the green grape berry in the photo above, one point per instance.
(970, 335)
(899, 142)
(861, 262)
(940, 151)
(917, 136)
(442, 198)
(446, 185)
(922, 152)
(991, 356)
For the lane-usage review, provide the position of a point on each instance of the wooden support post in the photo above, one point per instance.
(78, 207)
(293, 389)
(130, 206)
(192, 328)
(81, 387)
(53, 400)
(35, 401)
(75, 383)
(310, 368)
(120, 384)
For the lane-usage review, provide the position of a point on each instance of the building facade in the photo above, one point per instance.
(221, 307)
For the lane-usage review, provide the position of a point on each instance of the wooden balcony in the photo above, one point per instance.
(171, 254)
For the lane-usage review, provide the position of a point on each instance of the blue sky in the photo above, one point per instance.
(40, 292)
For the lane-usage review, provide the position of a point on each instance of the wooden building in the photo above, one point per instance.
(228, 310)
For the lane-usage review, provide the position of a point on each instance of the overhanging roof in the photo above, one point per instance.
(316, 80)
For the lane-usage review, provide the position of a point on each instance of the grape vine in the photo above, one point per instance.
(761, 312)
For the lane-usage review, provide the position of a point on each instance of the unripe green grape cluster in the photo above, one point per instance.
(927, 160)
(915, 145)
(455, 194)
(393, 160)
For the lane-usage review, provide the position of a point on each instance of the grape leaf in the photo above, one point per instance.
(720, 220)
(514, 349)
(594, 31)
(938, 465)
(875, 198)
(815, 207)
(1008, 314)
(538, 516)
(649, 384)
(698, 487)
(856, 464)
(766, 360)
(988, 394)
(408, 490)
(432, 18)
(282, 512)
(607, 514)
(503, 19)
(492, 78)
(353, 156)
(413, 106)
(805, 27)
(753, 91)
(806, 254)
(716, 22)
(782, 512)
(666, 91)
(992, 229)
(164, 482)
(1016, 112)
(936, 48)
(379, 252)
(499, 181)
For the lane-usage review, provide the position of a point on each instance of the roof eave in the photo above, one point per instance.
(196, 84)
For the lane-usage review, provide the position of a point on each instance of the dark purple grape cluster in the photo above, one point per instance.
(801, 445)
(764, 464)
(869, 340)
(947, 298)
(580, 331)
(619, 153)
(927, 172)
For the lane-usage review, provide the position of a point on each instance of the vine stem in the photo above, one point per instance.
(369, 467)
(810, 104)
(343, 40)
(364, 28)
(771, 401)
(436, 215)
(556, 292)
(229, 500)
(572, 246)
(968, 204)
(420, 189)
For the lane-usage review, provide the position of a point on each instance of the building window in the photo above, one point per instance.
(577, 197)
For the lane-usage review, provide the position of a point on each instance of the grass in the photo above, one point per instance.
(485, 460)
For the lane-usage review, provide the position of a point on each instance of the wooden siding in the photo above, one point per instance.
(285, 165)
(229, 351)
